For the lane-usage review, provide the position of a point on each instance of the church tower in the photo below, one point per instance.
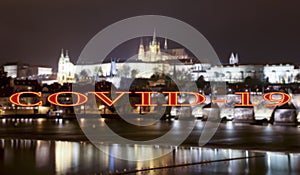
(154, 49)
(113, 68)
(141, 54)
(234, 59)
(154, 37)
(67, 58)
(231, 58)
(166, 44)
(66, 69)
(61, 67)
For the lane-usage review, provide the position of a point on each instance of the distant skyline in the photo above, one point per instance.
(34, 31)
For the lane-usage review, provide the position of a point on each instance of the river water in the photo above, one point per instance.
(25, 156)
(58, 146)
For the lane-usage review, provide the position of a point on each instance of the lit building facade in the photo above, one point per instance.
(234, 73)
(26, 71)
(281, 73)
(66, 72)
(12, 70)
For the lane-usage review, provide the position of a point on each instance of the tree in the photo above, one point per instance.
(297, 78)
(156, 70)
(253, 82)
(134, 72)
(180, 75)
(200, 82)
(83, 73)
(98, 71)
(76, 77)
(154, 76)
(125, 71)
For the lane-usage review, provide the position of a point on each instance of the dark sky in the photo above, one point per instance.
(261, 31)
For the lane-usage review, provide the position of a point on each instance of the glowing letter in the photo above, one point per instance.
(173, 99)
(106, 100)
(146, 99)
(245, 99)
(15, 99)
(53, 99)
(285, 98)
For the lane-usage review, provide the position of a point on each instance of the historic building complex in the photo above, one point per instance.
(152, 58)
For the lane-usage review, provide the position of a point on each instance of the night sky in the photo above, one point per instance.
(261, 31)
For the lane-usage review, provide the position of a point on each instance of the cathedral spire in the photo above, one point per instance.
(141, 54)
(141, 41)
(236, 58)
(62, 53)
(67, 54)
(62, 56)
(231, 58)
(113, 70)
(67, 58)
(166, 44)
(154, 36)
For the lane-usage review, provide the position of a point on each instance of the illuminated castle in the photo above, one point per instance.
(152, 59)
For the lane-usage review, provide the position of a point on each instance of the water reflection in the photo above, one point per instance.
(63, 157)
(39, 122)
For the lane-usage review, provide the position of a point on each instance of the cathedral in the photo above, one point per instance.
(66, 72)
(152, 52)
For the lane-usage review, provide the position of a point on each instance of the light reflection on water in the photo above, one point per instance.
(63, 157)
